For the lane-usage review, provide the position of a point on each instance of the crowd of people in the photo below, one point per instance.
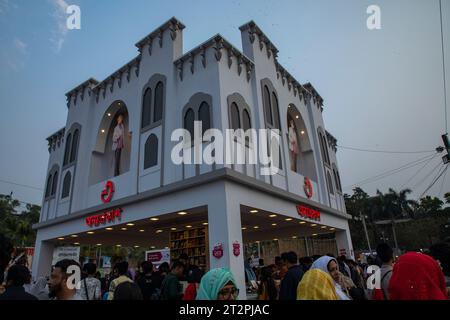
(413, 276)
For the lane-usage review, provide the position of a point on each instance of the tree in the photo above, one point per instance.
(429, 206)
(402, 206)
(447, 197)
(18, 226)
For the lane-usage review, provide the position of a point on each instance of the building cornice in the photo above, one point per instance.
(173, 24)
(292, 83)
(253, 31)
(315, 95)
(222, 174)
(55, 139)
(220, 46)
(332, 141)
(80, 89)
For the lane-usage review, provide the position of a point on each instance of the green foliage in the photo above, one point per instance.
(429, 220)
(15, 225)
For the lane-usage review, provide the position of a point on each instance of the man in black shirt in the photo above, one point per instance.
(149, 282)
(16, 278)
(288, 286)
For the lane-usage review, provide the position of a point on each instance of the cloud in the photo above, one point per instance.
(59, 34)
(14, 56)
(20, 46)
(6, 5)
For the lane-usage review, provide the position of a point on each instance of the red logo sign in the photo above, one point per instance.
(107, 193)
(309, 213)
(218, 251)
(236, 249)
(307, 186)
(109, 216)
(154, 256)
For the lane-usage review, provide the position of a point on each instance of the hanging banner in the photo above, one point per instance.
(158, 257)
(61, 253)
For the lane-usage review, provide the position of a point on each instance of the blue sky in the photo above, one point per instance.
(382, 89)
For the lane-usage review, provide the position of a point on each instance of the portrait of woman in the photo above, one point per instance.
(293, 144)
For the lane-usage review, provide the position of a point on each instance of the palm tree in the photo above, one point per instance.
(403, 206)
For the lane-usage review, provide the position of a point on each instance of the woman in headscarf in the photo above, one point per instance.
(417, 276)
(316, 285)
(218, 284)
(330, 265)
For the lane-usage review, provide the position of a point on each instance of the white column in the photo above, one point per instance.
(344, 241)
(42, 260)
(224, 225)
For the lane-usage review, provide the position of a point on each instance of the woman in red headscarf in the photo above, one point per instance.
(417, 276)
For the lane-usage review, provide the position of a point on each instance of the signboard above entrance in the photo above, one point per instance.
(108, 216)
(308, 213)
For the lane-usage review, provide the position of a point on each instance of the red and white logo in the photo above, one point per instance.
(236, 249)
(107, 193)
(308, 188)
(218, 251)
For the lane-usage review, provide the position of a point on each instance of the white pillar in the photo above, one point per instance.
(42, 260)
(344, 241)
(224, 225)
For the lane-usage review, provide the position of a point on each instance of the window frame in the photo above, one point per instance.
(147, 141)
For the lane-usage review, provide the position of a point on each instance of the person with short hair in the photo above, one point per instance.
(149, 282)
(90, 286)
(194, 279)
(171, 288)
(385, 254)
(59, 287)
(294, 274)
(122, 271)
(17, 276)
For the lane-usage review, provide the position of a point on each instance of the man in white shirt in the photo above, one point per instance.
(90, 286)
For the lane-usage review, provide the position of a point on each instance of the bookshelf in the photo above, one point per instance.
(193, 242)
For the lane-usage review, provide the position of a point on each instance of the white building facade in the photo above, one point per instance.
(161, 90)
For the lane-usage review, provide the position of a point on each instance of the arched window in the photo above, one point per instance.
(337, 180)
(189, 119)
(158, 106)
(48, 189)
(66, 185)
(247, 123)
(204, 116)
(267, 106)
(330, 183)
(73, 151)
(151, 152)
(325, 147)
(235, 119)
(276, 113)
(54, 183)
(67, 149)
(146, 108)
